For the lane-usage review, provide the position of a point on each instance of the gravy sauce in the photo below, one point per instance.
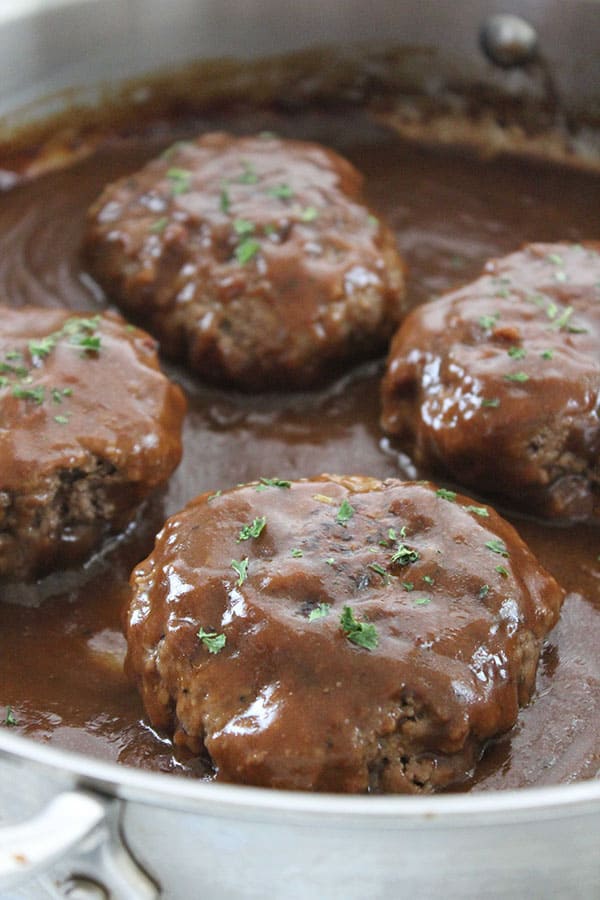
(61, 646)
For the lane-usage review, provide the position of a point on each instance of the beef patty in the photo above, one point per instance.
(338, 634)
(498, 382)
(252, 259)
(88, 427)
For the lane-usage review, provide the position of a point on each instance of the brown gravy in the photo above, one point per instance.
(61, 647)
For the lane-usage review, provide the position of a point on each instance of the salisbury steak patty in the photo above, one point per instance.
(338, 634)
(88, 427)
(254, 259)
(498, 382)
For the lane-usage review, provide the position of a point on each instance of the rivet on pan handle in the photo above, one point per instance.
(80, 830)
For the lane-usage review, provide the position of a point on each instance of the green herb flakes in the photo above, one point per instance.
(319, 612)
(502, 571)
(10, 718)
(428, 579)
(481, 511)
(248, 175)
(36, 394)
(377, 567)
(213, 641)
(243, 227)
(61, 420)
(241, 568)
(488, 322)
(297, 553)
(224, 200)
(446, 495)
(497, 546)
(159, 226)
(421, 601)
(408, 586)
(520, 377)
(214, 496)
(547, 354)
(404, 556)
(517, 352)
(491, 402)
(361, 633)
(345, 513)
(253, 530)
(180, 180)
(275, 482)
(246, 250)
(483, 591)
(309, 214)
(281, 192)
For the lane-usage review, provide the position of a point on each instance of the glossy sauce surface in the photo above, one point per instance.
(61, 647)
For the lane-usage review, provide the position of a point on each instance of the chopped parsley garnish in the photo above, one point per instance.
(502, 571)
(37, 394)
(520, 377)
(483, 591)
(408, 586)
(556, 259)
(478, 511)
(428, 579)
(547, 354)
(497, 546)
(180, 179)
(253, 530)
(422, 601)
(159, 226)
(377, 567)
(488, 322)
(297, 553)
(61, 420)
(10, 718)
(281, 192)
(224, 200)
(241, 568)
(243, 226)
(517, 352)
(491, 402)
(404, 556)
(214, 496)
(330, 560)
(213, 641)
(90, 342)
(248, 175)
(446, 495)
(275, 482)
(42, 347)
(361, 633)
(345, 513)
(319, 612)
(246, 250)
(309, 214)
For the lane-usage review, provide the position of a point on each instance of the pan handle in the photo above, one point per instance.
(78, 831)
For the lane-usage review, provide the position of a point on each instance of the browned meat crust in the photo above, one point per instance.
(89, 426)
(252, 259)
(338, 634)
(498, 383)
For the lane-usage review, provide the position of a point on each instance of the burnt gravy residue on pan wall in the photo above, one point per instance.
(61, 658)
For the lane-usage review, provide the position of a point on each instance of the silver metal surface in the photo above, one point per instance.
(509, 40)
(226, 842)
